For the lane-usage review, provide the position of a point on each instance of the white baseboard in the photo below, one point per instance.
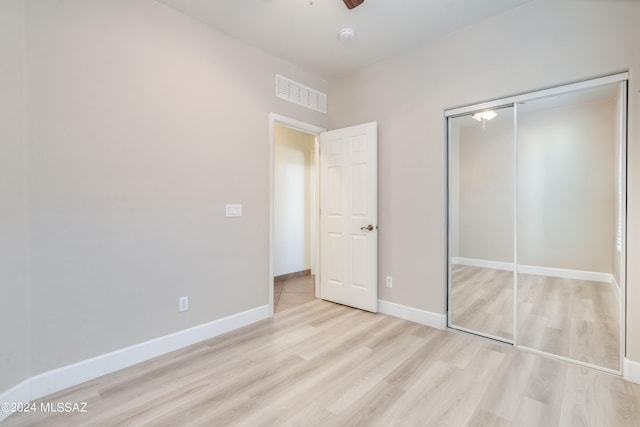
(434, 320)
(631, 371)
(563, 273)
(17, 394)
(67, 376)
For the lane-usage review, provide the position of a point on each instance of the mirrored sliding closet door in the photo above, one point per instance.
(569, 176)
(537, 221)
(481, 222)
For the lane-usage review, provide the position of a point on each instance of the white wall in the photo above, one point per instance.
(540, 44)
(143, 124)
(14, 283)
(293, 198)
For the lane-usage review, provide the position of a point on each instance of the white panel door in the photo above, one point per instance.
(349, 216)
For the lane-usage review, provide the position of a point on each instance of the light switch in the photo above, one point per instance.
(234, 211)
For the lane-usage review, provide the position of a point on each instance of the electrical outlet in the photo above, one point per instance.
(183, 304)
(389, 282)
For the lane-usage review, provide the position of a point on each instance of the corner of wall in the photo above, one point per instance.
(631, 371)
(412, 314)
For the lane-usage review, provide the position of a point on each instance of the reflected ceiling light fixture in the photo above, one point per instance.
(483, 116)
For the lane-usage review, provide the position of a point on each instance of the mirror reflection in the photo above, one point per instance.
(569, 227)
(536, 224)
(481, 197)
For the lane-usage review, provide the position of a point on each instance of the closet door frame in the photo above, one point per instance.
(513, 101)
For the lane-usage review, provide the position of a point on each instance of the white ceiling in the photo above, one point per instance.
(307, 35)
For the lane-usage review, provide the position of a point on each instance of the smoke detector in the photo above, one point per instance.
(347, 34)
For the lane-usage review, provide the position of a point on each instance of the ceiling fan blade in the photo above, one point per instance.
(353, 3)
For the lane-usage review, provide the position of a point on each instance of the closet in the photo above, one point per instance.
(536, 220)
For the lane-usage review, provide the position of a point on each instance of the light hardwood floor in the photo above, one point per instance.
(292, 292)
(578, 319)
(323, 364)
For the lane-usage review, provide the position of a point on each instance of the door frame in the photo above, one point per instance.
(277, 119)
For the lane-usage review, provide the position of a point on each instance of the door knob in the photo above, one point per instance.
(368, 227)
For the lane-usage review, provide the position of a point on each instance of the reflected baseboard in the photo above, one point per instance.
(594, 276)
(483, 263)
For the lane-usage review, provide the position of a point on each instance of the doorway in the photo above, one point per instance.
(294, 208)
(345, 210)
(294, 244)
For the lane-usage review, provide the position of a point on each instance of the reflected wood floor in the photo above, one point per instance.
(323, 364)
(482, 300)
(578, 319)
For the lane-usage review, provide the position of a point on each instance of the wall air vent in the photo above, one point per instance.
(300, 94)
